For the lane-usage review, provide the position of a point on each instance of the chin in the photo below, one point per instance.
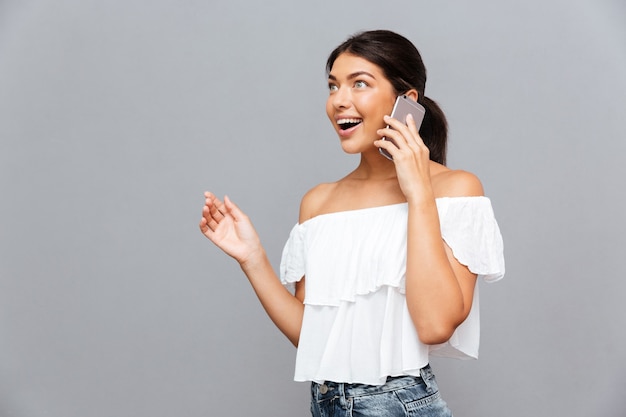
(354, 145)
(352, 150)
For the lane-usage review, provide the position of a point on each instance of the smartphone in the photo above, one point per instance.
(401, 109)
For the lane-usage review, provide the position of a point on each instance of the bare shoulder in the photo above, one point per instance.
(455, 183)
(314, 199)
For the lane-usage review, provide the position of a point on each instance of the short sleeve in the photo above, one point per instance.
(292, 263)
(469, 228)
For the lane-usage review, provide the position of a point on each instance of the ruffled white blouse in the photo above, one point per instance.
(356, 326)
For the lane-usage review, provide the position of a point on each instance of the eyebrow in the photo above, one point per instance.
(353, 75)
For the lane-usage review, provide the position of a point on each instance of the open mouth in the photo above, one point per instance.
(345, 124)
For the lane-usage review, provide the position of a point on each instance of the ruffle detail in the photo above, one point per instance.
(469, 228)
(293, 260)
(356, 325)
(348, 253)
(360, 342)
(357, 252)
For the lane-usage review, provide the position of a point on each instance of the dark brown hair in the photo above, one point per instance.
(402, 64)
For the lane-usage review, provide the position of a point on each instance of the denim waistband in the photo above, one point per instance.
(331, 389)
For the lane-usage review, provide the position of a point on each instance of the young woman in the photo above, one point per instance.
(385, 260)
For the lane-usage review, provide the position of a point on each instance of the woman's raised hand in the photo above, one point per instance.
(410, 155)
(229, 229)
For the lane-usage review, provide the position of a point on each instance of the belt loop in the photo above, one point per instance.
(342, 395)
(426, 373)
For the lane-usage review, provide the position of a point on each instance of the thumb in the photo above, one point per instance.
(232, 208)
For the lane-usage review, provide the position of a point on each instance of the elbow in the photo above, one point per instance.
(436, 333)
(435, 336)
(437, 329)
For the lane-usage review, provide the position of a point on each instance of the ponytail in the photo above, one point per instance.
(434, 130)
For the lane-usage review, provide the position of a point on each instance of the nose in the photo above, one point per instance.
(341, 98)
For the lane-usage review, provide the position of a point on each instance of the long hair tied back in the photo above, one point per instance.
(402, 64)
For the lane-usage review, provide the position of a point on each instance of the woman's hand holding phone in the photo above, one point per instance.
(401, 109)
(410, 155)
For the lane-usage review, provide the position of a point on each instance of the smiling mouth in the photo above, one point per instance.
(345, 124)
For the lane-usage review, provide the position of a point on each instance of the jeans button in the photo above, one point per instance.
(323, 389)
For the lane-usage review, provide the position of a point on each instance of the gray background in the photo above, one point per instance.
(115, 116)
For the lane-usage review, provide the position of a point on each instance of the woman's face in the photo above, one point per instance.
(360, 96)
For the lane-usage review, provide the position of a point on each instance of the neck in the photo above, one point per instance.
(374, 166)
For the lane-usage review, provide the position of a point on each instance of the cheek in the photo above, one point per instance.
(375, 105)
(375, 110)
(330, 110)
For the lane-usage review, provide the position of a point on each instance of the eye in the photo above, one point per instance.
(332, 87)
(361, 84)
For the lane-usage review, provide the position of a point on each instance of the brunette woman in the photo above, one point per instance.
(380, 271)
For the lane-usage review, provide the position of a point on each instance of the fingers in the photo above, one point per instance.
(408, 132)
(388, 146)
(217, 209)
(208, 224)
(213, 212)
(394, 139)
(205, 222)
(413, 128)
(406, 136)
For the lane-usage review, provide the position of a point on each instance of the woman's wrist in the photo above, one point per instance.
(421, 198)
(255, 260)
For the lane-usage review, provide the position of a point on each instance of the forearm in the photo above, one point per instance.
(283, 308)
(434, 296)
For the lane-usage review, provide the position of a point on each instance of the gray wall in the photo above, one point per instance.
(115, 116)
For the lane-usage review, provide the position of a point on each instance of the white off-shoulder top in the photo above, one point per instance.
(356, 326)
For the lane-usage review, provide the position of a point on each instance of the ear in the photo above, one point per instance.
(412, 94)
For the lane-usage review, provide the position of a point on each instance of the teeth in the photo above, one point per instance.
(344, 121)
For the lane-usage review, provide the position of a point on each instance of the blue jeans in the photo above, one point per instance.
(399, 396)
